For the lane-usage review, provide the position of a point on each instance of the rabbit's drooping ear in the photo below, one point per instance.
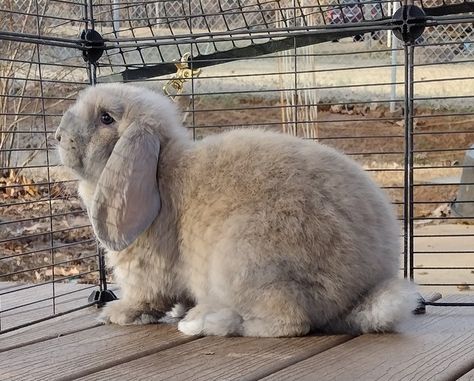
(127, 200)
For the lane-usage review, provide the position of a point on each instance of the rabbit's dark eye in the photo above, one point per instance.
(106, 118)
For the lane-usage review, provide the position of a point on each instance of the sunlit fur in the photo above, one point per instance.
(267, 234)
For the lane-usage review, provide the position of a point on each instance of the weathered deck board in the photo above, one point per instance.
(35, 303)
(435, 346)
(86, 351)
(46, 330)
(217, 358)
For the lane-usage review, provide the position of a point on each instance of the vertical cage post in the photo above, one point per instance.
(411, 20)
(103, 295)
(392, 42)
(48, 163)
(193, 100)
(116, 16)
(89, 19)
(408, 161)
(295, 50)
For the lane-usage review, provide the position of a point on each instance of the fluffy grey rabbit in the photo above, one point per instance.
(264, 233)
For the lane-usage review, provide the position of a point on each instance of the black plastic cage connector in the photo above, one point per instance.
(94, 45)
(411, 22)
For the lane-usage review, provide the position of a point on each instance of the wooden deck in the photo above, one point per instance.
(435, 346)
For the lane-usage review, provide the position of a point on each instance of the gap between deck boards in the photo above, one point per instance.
(234, 362)
(46, 330)
(126, 359)
(467, 373)
(469, 376)
(438, 344)
(104, 341)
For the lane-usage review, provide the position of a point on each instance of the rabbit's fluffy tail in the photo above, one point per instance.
(384, 307)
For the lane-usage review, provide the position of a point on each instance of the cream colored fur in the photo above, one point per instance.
(267, 234)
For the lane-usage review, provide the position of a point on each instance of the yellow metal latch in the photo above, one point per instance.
(175, 85)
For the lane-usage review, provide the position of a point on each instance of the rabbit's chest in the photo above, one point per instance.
(195, 267)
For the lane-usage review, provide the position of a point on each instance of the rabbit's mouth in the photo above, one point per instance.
(70, 161)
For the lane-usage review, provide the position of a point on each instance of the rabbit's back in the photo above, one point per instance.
(287, 210)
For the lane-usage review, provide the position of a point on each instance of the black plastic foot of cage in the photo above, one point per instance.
(423, 302)
(102, 297)
(421, 306)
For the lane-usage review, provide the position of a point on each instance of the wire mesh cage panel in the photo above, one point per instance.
(145, 33)
(48, 255)
(332, 72)
(329, 71)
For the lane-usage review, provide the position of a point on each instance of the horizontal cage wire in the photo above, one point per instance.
(331, 71)
(49, 262)
(144, 34)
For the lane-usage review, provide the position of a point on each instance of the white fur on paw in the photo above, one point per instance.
(225, 322)
(191, 327)
(178, 311)
(175, 315)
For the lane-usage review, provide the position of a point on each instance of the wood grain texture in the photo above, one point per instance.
(86, 351)
(218, 358)
(435, 346)
(25, 305)
(467, 377)
(50, 329)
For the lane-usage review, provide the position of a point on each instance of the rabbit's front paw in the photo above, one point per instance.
(122, 313)
(193, 323)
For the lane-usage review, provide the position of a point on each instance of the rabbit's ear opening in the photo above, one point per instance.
(127, 200)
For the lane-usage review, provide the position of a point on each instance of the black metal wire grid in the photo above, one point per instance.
(402, 134)
(233, 30)
(49, 263)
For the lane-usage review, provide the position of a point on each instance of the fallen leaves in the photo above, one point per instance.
(44, 224)
(15, 186)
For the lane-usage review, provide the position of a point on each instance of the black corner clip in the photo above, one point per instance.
(93, 44)
(426, 301)
(410, 21)
(102, 297)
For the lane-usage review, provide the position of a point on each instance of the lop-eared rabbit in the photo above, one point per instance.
(258, 233)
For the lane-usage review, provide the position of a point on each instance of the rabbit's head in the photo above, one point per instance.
(111, 138)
